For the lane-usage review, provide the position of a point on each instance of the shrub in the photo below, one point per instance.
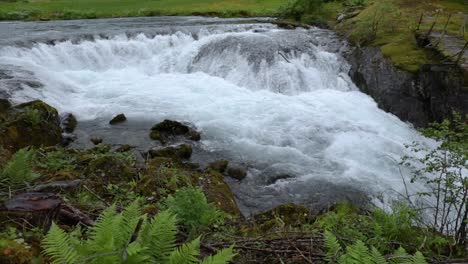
(194, 211)
(443, 169)
(18, 173)
(127, 237)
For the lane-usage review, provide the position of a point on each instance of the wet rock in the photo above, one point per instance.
(120, 118)
(4, 105)
(168, 128)
(275, 178)
(183, 151)
(237, 173)
(218, 192)
(30, 124)
(219, 165)
(124, 148)
(69, 123)
(96, 140)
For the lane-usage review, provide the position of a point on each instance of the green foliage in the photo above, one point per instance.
(55, 161)
(381, 230)
(299, 9)
(18, 172)
(358, 253)
(193, 209)
(127, 237)
(443, 170)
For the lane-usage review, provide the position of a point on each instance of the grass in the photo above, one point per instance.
(76, 9)
(400, 18)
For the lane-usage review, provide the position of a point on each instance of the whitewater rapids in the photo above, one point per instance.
(276, 101)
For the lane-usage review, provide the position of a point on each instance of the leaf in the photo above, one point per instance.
(57, 246)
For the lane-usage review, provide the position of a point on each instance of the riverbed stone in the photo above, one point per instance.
(30, 124)
(237, 173)
(96, 140)
(120, 118)
(168, 129)
(69, 123)
(219, 165)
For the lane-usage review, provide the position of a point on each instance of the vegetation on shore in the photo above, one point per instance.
(86, 9)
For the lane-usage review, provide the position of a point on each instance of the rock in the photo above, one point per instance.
(4, 105)
(120, 118)
(237, 173)
(124, 148)
(30, 124)
(183, 151)
(69, 123)
(96, 140)
(218, 192)
(168, 128)
(219, 165)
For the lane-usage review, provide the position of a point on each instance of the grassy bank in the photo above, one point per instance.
(391, 25)
(76, 9)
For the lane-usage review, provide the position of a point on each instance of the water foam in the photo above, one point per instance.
(275, 102)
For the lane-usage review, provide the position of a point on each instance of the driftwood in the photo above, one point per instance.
(56, 186)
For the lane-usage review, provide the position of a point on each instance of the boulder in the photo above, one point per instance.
(219, 165)
(120, 118)
(30, 124)
(237, 173)
(69, 123)
(165, 130)
(96, 140)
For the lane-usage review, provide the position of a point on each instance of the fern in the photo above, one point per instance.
(110, 241)
(17, 172)
(418, 258)
(332, 245)
(356, 254)
(377, 258)
(57, 245)
(223, 256)
(160, 236)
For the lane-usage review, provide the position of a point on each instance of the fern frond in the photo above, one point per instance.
(332, 245)
(186, 254)
(400, 256)
(377, 258)
(130, 219)
(102, 233)
(160, 236)
(17, 172)
(57, 246)
(357, 253)
(222, 257)
(418, 258)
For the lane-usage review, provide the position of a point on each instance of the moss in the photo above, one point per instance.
(120, 118)
(183, 151)
(290, 214)
(110, 167)
(405, 54)
(217, 191)
(30, 124)
(219, 166)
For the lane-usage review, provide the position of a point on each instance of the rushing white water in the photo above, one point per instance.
(271, 99)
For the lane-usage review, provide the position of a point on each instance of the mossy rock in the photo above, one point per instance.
(237, 173)
(182, 152)
(120, 118)
(69, 123)
(217, 191)
(165, 130)
(219, 165)
(30, 124)
(4, 105)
